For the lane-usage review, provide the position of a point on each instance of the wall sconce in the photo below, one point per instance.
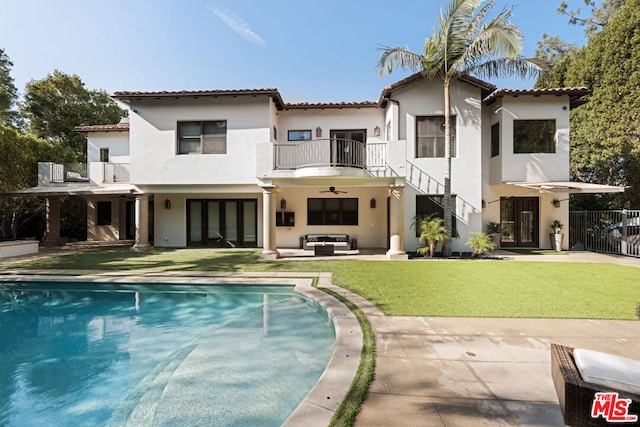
(372, 203)
(376, 131)
(283, 204)
(318, 132)
(167, 204)
(555, 203)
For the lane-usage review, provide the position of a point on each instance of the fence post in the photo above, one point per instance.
(584, 230)
(624, 239)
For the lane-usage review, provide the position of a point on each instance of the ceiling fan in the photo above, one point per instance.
(333, 190)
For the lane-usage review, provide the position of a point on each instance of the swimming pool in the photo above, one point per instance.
(130, 354)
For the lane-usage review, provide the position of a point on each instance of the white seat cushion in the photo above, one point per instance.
(608, 370)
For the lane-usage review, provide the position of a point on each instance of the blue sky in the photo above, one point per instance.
(311, 51)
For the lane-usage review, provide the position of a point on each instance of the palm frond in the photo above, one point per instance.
(500, 67)
(394, 57)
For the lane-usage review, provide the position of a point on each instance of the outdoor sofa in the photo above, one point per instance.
(576, 395)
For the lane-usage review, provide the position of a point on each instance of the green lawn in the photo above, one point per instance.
(417, 287)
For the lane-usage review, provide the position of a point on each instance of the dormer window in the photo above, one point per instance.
(206, 137)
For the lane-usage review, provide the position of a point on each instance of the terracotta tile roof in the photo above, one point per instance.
(327, 105)
(120, 127)
(126, 96)
(485, 87)
(577, 95)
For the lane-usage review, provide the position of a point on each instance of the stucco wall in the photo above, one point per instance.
(426, 175)
(371, 231)
(331, 119)
(116, 142)
(535, 167)
(154, 141)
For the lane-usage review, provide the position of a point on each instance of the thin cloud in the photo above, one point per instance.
(240, 26)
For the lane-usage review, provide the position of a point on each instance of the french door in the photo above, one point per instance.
(222, 223)
(519, 217)
(348, 147)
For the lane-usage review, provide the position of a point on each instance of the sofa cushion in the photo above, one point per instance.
(608, 370)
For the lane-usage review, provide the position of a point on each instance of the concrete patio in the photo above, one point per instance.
(477, 372)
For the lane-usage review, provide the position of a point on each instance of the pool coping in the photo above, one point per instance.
(320, 404)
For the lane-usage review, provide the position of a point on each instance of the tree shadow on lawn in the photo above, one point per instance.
(176, 259)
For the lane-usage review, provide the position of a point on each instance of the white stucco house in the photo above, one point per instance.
(243, 168)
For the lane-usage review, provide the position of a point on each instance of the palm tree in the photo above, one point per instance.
(463, 44)
(431, 231)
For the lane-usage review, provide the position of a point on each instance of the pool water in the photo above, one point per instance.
(161, 355)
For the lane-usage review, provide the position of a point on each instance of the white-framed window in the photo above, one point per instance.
(430, 136)
(202, 137)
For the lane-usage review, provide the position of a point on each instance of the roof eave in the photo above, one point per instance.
(577, 95)
(485, 87)
(126, 97)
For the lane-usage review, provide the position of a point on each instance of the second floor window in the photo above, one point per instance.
(299, 135)
(430, 136)
(495, 140)
(208, 137)
(534, 136)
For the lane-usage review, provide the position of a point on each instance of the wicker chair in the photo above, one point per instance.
(575, 395)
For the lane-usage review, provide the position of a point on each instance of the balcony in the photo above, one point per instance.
(322, 153)
(74, 173)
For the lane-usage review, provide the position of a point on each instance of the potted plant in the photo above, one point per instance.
(495, 230)
(556, 237)
(481, 244)
(432, 231)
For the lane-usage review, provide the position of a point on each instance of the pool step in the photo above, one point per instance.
(139, 407)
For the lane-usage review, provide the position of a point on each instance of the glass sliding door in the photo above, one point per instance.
(214, 235)
(250, 223)
(194, 223)
(348, 148)
(519, 218)
(222, 223)
(231, 231)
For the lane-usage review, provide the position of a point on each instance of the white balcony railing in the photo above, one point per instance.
(70, 172)
(96, 173)
(330, 153)
(116, 172)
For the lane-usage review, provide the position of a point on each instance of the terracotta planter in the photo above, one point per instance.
(556, 241)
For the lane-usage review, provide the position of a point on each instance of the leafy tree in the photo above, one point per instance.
(557, 56)
(600, 14)
(8, 92)
(464, 43)
(605, 132)
(55, 105)
(19, 155)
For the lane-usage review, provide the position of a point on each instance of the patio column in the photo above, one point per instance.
(52, 214)
(269, 250)
(142, 224)
(396, 223)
